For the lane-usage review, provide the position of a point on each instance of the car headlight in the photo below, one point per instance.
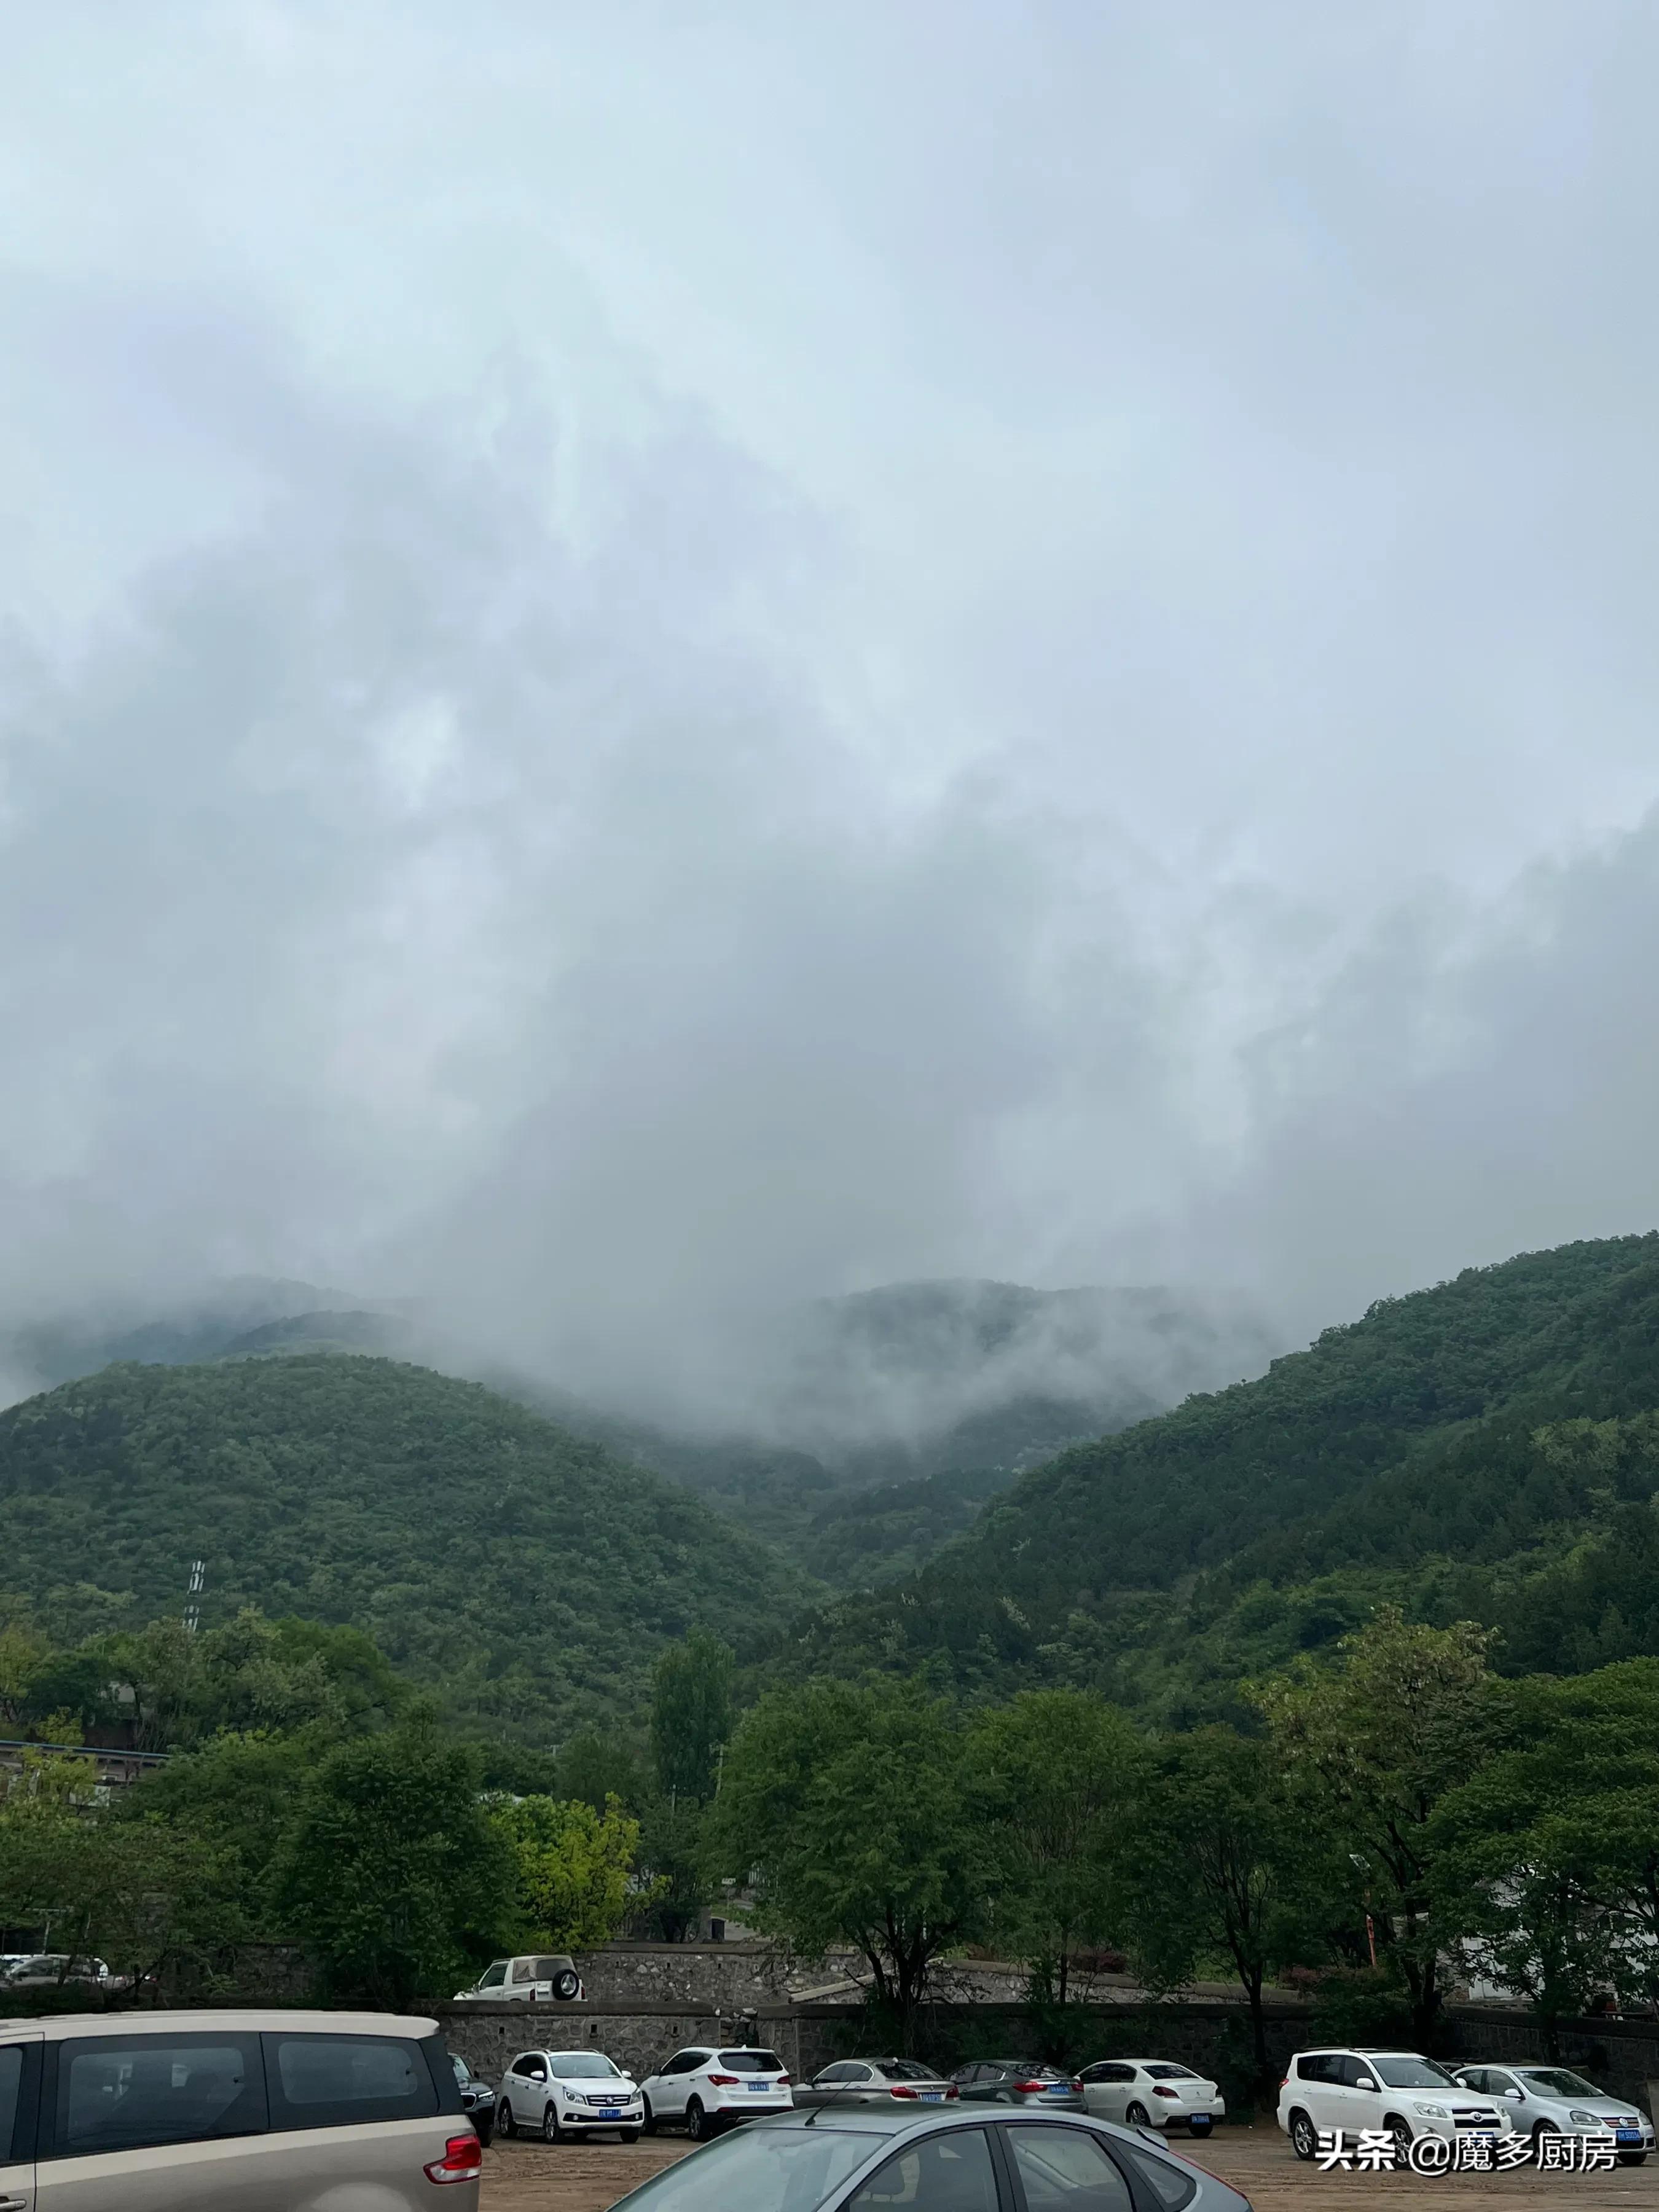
(1430, 2112)
(1587, 2119)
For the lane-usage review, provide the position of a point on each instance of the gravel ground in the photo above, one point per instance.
(528, 2178)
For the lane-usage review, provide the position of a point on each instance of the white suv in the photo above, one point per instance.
(538, 1978)
(710, 2089)
(1401, 2091)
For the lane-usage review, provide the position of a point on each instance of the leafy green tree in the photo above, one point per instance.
(1223, 1857)
(1053, 1776)
(1379, 1740)
(573, 1865)
(392, 1876)
(675, 1856)
(691, 1715)
(846, 1804)
(596, 1766)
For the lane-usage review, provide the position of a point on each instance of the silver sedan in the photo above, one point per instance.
(897, 2082)
(1018, 2081)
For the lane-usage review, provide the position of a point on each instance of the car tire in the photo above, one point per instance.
(1544, 2128)
(1401, 2128)
(506, 2126)
(1304, 2136)
(565, 1986)
(630, 2134)
(696, 2121)
(551, 2131)
(1136, 2117)
(650, 2119)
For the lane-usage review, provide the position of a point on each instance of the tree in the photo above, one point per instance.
(846, 1805)
(691, 1715)
(573, 1867)
(1052, 1775)
(392, 1876)
(1403, 1718)
(1223, 1859)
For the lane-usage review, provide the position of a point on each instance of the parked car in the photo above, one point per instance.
(477, 2099)
(1544, 2100)
(1151, 2092)
(42, 1970)
(558, 2095)
(876, 2082)
(947, 2159)
(1400, 2090)
(1018, 2081)
(708, 2089)
(197, 2111)
(537, 1977)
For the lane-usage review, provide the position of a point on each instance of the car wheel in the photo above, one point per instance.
(650, 2118)
(1135, 2116)
(1304, 2136)
(506, 2126)
(1544, 2128)
(630, 2134)
(1399, 2129)
(551, 2131)
(696, 2121)
(565, 1986)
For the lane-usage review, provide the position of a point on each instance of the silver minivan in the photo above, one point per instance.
(193, 2112)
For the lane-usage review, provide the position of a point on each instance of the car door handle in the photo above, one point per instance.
(14, 2204)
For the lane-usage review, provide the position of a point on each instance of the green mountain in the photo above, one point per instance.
(1486, 1449)
(526, 1575)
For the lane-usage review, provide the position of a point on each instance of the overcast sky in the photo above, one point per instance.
(659, 657)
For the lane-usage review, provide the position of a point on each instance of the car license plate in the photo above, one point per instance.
(760, 2088)
(610, 2112)
(932, 2096)
(1199, 2123)
(1627, 2135)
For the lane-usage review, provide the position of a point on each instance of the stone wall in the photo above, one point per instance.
(716, 1977)
(490, 2037)
(1620, 2056)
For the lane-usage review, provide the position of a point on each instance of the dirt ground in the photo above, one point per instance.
(522, 2177)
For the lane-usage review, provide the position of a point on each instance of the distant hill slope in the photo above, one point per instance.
(1399, 1455)
(528, 1574)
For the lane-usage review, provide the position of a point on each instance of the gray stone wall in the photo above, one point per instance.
(721, 1977)
(490, 2037)
(1620, 2056)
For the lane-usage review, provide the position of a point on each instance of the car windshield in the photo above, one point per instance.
(1556, 2081)
(904, 2070)
(580, 2065)
(752, 2062)
(1162, 2073)
(763, 2169)
(1397, 2071)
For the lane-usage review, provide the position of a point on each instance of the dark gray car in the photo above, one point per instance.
(875, 2081)
(862, 2158)
(1018, 2081)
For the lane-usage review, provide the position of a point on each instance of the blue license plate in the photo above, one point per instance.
(611, 2113)
(1199, 2123)
(932, 2096)
(1627, 2136)
(759, 2088)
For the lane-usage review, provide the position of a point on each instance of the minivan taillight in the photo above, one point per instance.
(463, 2161)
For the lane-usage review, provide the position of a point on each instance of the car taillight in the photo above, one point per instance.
(952, 2090)
(1078, 2086)
(463, 2161)
(1285, 2083)
(1160, 2091)
(722, 2081)
(901, 2089)
(782, 2081)
(1028, 2088)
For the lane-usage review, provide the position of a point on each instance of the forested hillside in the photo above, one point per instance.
(1478, 1448)
(525, 1573)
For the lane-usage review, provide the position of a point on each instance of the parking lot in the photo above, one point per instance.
(530, 2178)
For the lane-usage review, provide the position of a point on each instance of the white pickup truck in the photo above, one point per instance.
(536, 1978)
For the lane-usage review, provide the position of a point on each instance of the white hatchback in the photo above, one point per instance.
(557, 2095)
(708, 2089)
(1151, 2092)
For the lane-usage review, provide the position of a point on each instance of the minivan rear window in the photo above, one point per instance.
(341, 2080)
(752, 2062)
(122, 2092)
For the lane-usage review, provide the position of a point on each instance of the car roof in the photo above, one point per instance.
(233, 2021)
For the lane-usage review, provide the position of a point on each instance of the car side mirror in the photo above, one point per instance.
(1364, 2082)
(1518, 2095)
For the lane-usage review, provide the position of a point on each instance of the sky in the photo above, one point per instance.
(662, 658)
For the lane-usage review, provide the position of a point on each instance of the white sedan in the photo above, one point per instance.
(1546, 2100)
(559, 2094)
(707, 2090)
(1151, 2092)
